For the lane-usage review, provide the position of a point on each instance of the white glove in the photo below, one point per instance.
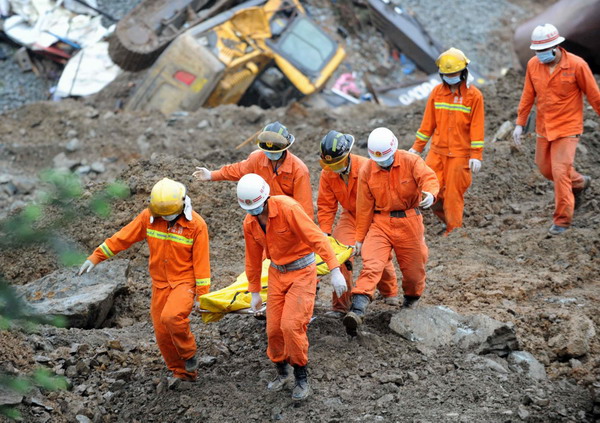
(413, 151)
(427, 201)
(256, 302)
(357, 248)
(325, 233)
(338, 282)
(474, 165)
(86, 267)
(517, 134)
(202, 174)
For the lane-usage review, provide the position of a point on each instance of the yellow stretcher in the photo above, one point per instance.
(236, 298)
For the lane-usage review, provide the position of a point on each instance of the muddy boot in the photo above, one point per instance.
(578, 193)
(301, 388)
(410, 301)
(283, 376)
(191, 364)
(393, 301)
(355, 316)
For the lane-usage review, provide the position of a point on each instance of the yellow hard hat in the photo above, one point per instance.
(167, 197)
(451, 61)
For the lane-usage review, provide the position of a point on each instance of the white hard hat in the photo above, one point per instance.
(545, 36)
(382, 144)
(252, 191)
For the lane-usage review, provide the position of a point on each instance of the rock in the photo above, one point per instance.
(98, 167)
(574, 339)
(73, 145)
(82, 419)
(515, 208)
(387, 398)
(71, 372)
(40, 403)
(504, 131)
(9, 188)
(24, 184)
(83, 300)
(207, 360)
(124, 374)
(590, 125)
(61, 161)
(83, 170)
(523, 413)
(8, 397)
(42, 359)
(173, 382)
(487, 363)
(71, 133)
(582, 149)
(440, 326)
(533, 368)
(204, 123)
(5, 178)
(143, 144)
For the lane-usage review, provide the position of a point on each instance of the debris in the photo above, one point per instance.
(504, 131)
(73, 145)
(23, 60)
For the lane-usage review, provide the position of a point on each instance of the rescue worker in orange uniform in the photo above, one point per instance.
(555, 80)
(285, 173)
(339, 185)
(179, 267)
(391, 187)
(280, 227)
(454, 122)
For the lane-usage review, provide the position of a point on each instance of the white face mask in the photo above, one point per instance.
(170, 217)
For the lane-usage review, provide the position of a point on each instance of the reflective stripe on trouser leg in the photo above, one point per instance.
(375, 255)
(411, 252)
(170, 308)
(290, 303)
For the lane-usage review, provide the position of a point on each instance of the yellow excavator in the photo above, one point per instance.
(265, 52)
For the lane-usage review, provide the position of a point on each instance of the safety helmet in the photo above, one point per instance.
(451, 61)
(335, 149)
(544, 37)
(275, 138)
(382, 144)
(252, 191)
(167, 197)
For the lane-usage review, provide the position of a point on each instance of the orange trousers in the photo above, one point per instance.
(345, 232)
(290, 303)
(555, 161)
(170, 308)
(403, 235)
(454, 176)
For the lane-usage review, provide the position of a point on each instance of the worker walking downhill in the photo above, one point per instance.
(390, 188)
(339, 185)
(285, 173)
(280, 227)
(454, 122)
(555, 80)
(179, 267)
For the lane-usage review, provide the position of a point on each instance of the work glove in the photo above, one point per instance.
(326, 234)
(86, 267)
(427, 201)
(474, 165)
(413, 151)
(256, 302)
(357, 248)
(202, 174)
(338, 282)
(517, 133)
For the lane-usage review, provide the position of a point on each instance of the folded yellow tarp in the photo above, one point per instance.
(215, 305)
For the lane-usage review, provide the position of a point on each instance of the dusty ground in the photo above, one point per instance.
(501, 264)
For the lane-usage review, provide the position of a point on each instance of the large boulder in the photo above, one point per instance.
(85, 300)
(440, 326)
(574, 337)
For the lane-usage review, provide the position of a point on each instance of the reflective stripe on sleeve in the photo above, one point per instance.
(203, 282)
(107, 252)
(477, 144)
(422, 136)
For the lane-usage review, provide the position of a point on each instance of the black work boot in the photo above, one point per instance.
(283, 376)
(355, 316)
(191, 364)
(301, 388)
(578, 193)
(410, 301)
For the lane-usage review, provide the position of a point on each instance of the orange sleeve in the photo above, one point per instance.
(201, 259)
(587, 84)
(307, 230)
(303, 191)
(235, 171)
(327, 205)
(365, 204)
(477, 130)
(425, 177)
(428, 125)
(133, 232)
(254, 254)
(527, 99)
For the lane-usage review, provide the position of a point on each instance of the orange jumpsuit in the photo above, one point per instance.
(180, 269)
(333, 189)
(291, 178)
(381, 192)
(454, 122)
(559, 100)
(290, 234)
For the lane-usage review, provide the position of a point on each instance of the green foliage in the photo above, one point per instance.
(41, 224)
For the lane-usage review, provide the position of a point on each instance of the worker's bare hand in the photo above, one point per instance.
(85, 267)
(202, 174)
